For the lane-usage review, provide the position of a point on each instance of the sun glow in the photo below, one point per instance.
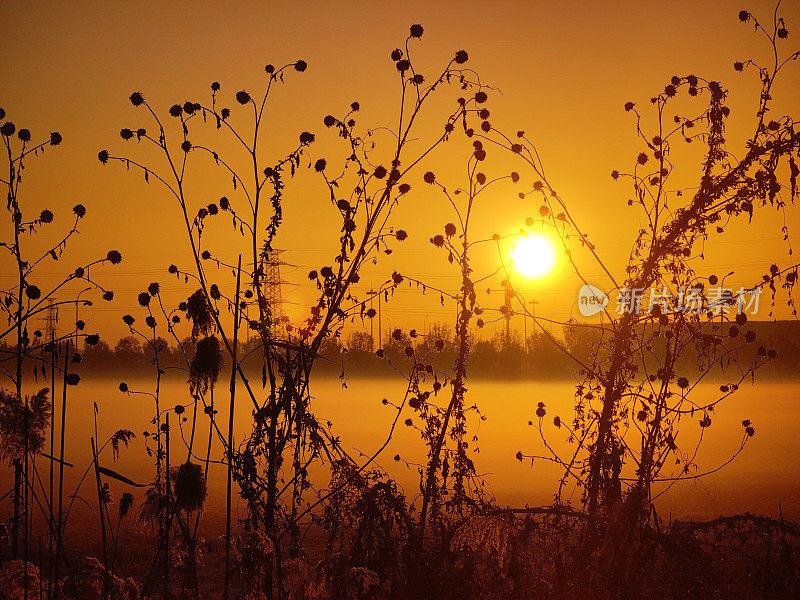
(533, 256)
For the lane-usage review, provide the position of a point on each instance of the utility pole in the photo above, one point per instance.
(508, 319)
(371, 323)
(373, 294)
(525, 341)
(380, 338)
(533, 304)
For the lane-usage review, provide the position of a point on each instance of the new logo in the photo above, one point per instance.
(591, 300)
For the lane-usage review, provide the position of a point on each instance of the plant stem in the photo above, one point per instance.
(106, 582)
(230, 432)
(61, 525)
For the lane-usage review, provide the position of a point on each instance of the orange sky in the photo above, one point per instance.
(564, 71)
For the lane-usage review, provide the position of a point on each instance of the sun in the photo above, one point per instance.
(533, 256)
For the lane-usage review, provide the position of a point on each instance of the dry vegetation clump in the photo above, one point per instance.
(544, 555)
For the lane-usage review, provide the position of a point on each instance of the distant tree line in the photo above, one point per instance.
(499, 357)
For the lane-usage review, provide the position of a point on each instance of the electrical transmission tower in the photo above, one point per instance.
(272, 293)
(51, 320)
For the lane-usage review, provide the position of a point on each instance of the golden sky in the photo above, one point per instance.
(563, 71)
